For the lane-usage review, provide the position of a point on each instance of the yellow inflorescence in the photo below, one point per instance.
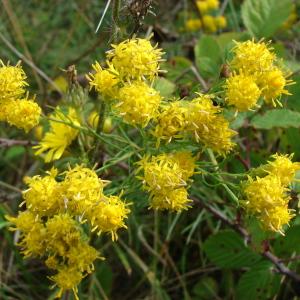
(15, 107)
(12, 82)
(242, 92)
(135, 58)
(199, 117)
(138, 103)
(60, 135)
(258, 61)
(171, 121)
(131, 65)
(165, 178)
(108, 215)
(208, 126)
(50, 227)
(104, 80)
(268, 196)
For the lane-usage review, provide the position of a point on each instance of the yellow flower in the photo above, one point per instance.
(12, 82)
(186, 162)
(161, 173)
(25, 221)
(67, 278)
(264, 193)
(42, 197)
(213, 4)
(202, 6)
(24, 113)
(175, 200)
(193, 24)
(60, 135)
(242, 92)
(221, 22)
(171, 121)
(272, 84)
(108, 215)
(135, 58)
(275, 218)
(208, 126)
(209, 23)
(252, 58)
(81, 189)
(282, 167)
(63, 233)
(82, 257)
(32, 233)
(104, 80)
(138, 103)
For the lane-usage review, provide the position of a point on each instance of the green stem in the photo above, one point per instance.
(115, 17)
(226, 187)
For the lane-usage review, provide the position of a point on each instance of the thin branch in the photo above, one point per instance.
(6, 143)
(277, 262)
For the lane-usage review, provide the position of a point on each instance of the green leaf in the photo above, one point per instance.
(226, 249)
(165, 87)
(206, 288)
(294, 99)
(288, 244)
(283, 118)
(263, 18)
(208, 56)
(258, 283)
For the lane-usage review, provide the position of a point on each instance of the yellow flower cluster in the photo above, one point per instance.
(267, 196)
(131, 65)
(208, 22)
(199, 117)
(50, 225)
(15, 107)
(165, 177)
(60, 135)
(256, 72)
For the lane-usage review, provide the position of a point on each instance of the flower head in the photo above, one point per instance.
(273, 84)
(242, 92)
(135, 58)
(252, 58)
(67, 278)
(60, 135)
(209, 23)
(193, 24)
(175, 200)
(161, 173)
(43, 197)
(282, 167)
(138, 103)
(104, 80)
(209, 126)
(12, 82)
(81, 189)
(108, 215)
(24, 113)
(275, 218)
(172, 121)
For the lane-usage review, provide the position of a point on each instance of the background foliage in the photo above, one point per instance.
(190, 255)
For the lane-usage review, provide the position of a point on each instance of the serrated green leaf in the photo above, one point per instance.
(226, 249)
(164, 86)
(258, 283)
(264, 17)
(208, 56)
(283, 118)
